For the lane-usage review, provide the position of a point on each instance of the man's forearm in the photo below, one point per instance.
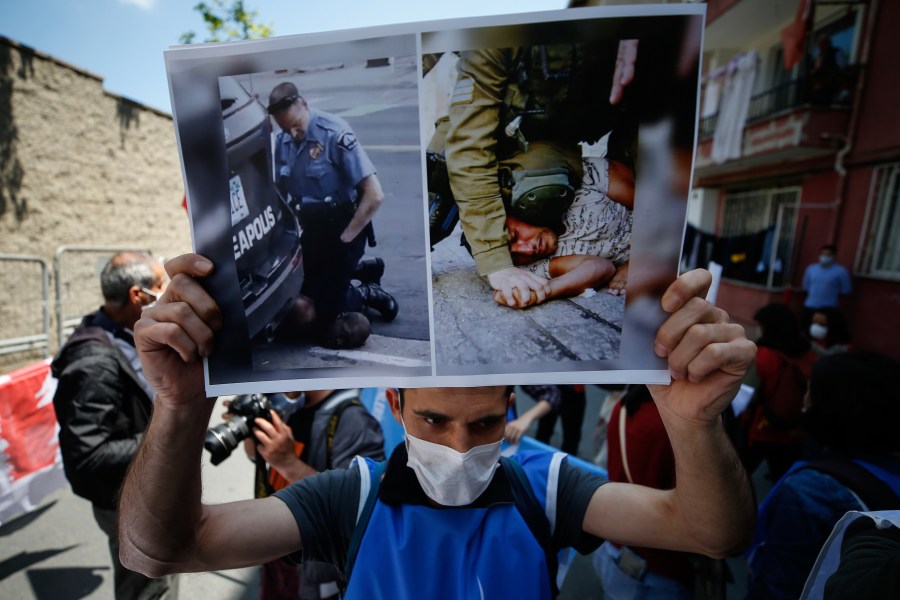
(471, 147)
(295, 470)
(539, 410)
(712, 496)
(573, 274)
(160, 508)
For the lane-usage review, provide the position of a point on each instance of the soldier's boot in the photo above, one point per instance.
(369, 270)
(375, 298)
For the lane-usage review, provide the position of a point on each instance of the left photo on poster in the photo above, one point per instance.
(319, 173)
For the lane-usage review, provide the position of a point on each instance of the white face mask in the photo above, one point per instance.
(817, 331)
(448, 477)
(825, 259)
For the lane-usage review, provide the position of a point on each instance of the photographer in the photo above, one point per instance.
(326, 432)
(325, 175)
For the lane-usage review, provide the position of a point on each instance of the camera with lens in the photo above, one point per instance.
(222, 439)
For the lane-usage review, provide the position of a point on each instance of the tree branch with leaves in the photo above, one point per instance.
(227, 22)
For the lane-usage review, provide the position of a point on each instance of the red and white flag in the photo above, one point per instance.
(793, 36)
(30, 463)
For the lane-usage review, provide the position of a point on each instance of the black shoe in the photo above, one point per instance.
(375, 298)
(369, 270)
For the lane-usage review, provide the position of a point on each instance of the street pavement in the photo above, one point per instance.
(471, 329)
(381, 105)
(57, 552)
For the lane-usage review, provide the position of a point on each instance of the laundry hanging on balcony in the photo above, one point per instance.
(734, 106)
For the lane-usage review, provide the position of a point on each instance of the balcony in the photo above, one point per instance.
(787, 126)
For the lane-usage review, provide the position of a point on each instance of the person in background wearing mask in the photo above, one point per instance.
(447, 518)
(103, 404)
(772, 428)
(824, 283)
(829, 333)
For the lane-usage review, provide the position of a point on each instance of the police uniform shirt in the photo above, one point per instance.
(328, 161)
(325, 505)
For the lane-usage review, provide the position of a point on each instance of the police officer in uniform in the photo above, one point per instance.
(329, 181)
(516, 117)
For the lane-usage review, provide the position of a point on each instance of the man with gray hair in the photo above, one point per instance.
(103, 403)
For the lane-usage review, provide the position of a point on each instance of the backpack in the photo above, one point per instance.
(874, 492)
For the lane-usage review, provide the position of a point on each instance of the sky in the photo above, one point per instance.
(122, 41)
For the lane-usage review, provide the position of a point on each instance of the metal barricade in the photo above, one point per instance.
(76, 274)
(24, 310)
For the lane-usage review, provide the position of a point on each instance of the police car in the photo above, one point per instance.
(265, 232)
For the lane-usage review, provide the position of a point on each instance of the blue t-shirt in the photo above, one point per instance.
(824, 285)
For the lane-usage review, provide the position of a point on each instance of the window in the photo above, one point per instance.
(881, 252)
(757, 234)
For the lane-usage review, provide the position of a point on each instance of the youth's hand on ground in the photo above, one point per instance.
(532, 301)
(708, 355)
(518, 288)
(174, 335)
(619, 281)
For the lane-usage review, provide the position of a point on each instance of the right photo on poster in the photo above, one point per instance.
(558, 165)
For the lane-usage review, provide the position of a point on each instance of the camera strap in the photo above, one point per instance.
(333, 421)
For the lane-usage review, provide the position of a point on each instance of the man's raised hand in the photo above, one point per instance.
(174, 335)
(708, 355)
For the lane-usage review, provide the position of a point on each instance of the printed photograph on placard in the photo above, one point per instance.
(533, 162)
(476, 201)
(326, 212)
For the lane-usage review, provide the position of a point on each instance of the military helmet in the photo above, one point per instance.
(540, 197)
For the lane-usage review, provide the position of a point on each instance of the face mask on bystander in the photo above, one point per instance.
(448, 477)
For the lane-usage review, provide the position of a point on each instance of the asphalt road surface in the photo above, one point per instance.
(381, 105)
(471, 329)
(57, 552)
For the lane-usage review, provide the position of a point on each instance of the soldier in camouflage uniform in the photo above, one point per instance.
(516, 117)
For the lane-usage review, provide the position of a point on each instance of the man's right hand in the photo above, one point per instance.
(172, 336)
(514, 287)
(276, 442)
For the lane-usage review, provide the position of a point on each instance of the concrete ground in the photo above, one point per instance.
(57, 552)
(470, 329)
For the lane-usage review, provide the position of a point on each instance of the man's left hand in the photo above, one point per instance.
(708, 355)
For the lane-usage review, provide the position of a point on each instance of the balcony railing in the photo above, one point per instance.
(791, 94)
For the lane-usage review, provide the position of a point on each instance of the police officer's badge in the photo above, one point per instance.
(315, 151)
(348, 141)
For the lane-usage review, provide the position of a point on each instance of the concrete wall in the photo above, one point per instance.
(79, 166)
